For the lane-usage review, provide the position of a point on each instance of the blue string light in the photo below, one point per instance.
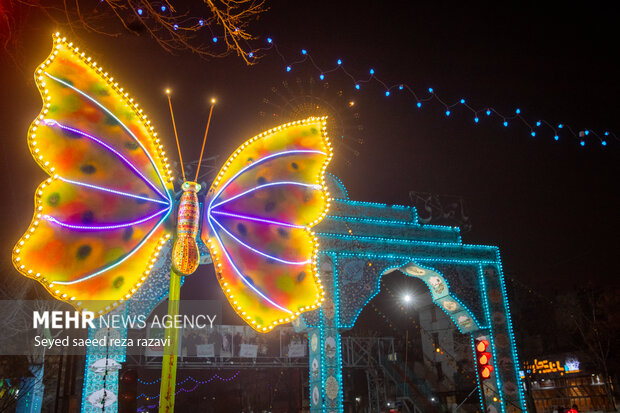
(432, 95)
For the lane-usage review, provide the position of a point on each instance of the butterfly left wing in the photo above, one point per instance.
(101, 217)
(258, 218)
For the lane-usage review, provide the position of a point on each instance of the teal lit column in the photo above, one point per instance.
(325, 347)
(504, 390)
(100, 386)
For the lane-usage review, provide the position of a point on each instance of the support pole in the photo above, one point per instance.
(169, 362)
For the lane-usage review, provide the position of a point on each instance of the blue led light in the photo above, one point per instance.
(163, 8)
(587, 132)
(488, 112)
(430, 90)
(604, 143)
(462, 101)
(419, 104)
(140, 11)
(533, 133)
(538, 123)
(400, 87)
(582, 143)
(387, 93)
(176, 26)
(251, 55)
(303, 51)
(372, 71)
(476, 119)
(560, 126)
(357, 86)
(339, 62)
(556, 137)
(606, 133)
(288, 68)
(505, 123)
(447, 113)
(214, 39)
(269, 40)
(322, 76)
(201, 22)
(518, 111)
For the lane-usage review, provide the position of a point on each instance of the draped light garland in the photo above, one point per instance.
(180, 383)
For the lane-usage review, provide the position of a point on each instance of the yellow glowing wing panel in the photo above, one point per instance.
(258, 216)
(100, 219)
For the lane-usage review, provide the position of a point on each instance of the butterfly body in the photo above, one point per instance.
(185, 254)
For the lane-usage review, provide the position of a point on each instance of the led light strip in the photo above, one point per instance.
(252, 165)
(100, 188)
(118, 120)
(258, 251)
(313, 186)
(133, 251)
(256, 219)
(232, 264)
(104, 227)
(52, 122)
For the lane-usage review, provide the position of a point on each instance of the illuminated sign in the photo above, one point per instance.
(548, 366)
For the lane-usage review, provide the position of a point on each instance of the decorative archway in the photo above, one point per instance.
(361, 241)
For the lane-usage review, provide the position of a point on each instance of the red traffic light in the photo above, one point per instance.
(481, 345)
(486, 371)
(483, 359)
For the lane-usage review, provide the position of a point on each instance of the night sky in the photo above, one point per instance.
(550, 206)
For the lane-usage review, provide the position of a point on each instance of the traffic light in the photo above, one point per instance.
(483, 359)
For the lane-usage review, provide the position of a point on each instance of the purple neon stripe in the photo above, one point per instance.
(103, 227)
(265, 221)
(120, 261)
(259, 251)
(232, 263)
(113, 191)
(52, 122)
(252, 165)
(256, 188)
(96, 102)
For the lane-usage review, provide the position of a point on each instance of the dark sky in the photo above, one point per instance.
(550, 206)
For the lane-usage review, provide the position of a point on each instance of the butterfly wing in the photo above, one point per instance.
(257, 222)
(101, 217)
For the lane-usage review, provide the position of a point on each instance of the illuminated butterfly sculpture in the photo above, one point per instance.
(106, 211)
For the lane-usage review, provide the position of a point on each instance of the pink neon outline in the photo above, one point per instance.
(257, 219)
(264, 254)
(313, 186)
(232, 263)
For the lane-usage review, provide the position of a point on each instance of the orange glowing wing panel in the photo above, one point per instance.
(102, 215)
(258, 218)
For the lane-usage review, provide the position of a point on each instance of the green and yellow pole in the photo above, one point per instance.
(169, 363)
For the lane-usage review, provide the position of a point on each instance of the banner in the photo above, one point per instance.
(297, 350)
(205, 350)
(248, 350)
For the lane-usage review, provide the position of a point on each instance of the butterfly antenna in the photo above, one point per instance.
(204, 140)
(174, 126)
